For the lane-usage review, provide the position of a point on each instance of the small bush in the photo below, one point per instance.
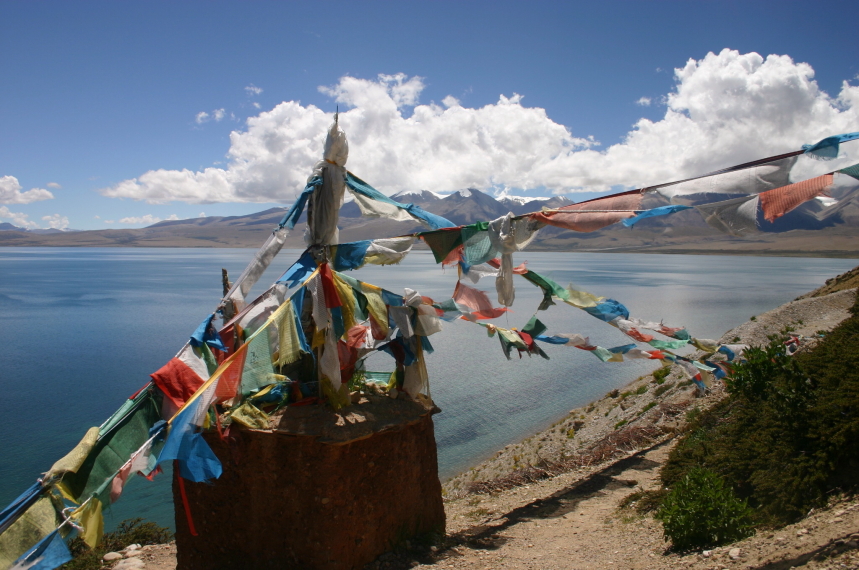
(662, 389)
(620, 424)
(660, 375)
(701, 511)
(693, 414)
(640, 390)
(646, 408)
(644, 502)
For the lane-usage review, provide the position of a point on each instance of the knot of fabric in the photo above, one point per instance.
(503, 238)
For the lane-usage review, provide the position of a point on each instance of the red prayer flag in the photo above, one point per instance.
(231, 378)
(476, 300)
(779, 201)
(332, 299)
(177, 381)
(572, 217)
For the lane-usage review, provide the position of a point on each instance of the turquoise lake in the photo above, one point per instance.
(83, 328)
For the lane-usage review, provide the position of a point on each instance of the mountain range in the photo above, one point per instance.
(816, 228)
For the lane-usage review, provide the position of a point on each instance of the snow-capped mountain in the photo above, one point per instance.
(417, 196)
(523, 204)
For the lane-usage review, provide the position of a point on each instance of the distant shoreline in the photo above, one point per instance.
(643, 249)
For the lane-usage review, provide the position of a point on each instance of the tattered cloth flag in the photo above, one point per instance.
(737, 217)
(851, 171)
(776, 203)
(746, 181)
(827, 149)
(594, 214)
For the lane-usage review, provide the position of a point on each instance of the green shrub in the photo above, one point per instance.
(641, 390)
(131, 531)
(701, 511)
(788, 433)
(621, 423)
(662, 389)
(660, 375)
(644, 502)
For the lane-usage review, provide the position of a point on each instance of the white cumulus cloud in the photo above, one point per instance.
(10, 192)
(252, 90)
(218, 114)
(17, 218)
(201, 117)
(725, 109)
(53, 185)
(644, 102)
(147, 220)
(56, 221)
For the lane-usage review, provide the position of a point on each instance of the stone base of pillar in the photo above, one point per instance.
(321, 490)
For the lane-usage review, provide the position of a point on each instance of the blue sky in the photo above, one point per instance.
(102, 101)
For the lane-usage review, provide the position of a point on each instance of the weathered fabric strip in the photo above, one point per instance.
(778, 202)
(746, 181)
(250, 416)
(329, 363)
(442, 242)
(851, 171)
(574, 216)
(32, 526)
(477, 302)
(376, 306)
(827, 149)
(51, 552)
(177, 381)
(348, 302)
(89, 516)
(262, 259)
(207, 333)
(736, 217)
(388, 251)
(653, 213)
(289, 347)
(197, 461)
(375, 204)
(323, 206)
(195, 358)
(76, 457)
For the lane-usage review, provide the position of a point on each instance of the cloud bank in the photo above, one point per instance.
(10, 192)
(146, 220)
(725, 109)
(17, 218)
(56, 221)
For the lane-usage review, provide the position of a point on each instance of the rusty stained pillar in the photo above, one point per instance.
(319, 490)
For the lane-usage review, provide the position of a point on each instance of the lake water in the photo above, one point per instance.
(83, 328)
